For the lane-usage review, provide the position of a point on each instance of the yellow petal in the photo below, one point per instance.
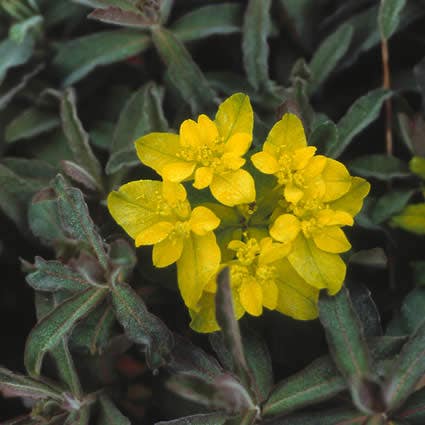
(189, 134)
(238, 143)
(203, 221)
(412, 219)
(207, 130)
(167, 251)
(318, 268)
(286, 135)
(233, 188)
(203, 177)
(302, 156)
(234, 116)
(251, 296)
(332, 239)
(328, 217)
(236, 245)
(292, 193)
(265, 162)
(315, 166)
(270, 294)
(173, 192)
(352, 201)
(198, 263)
(154, 234)
(296, 298)
(135, 206)
(271, 251)
(232, 162)
(286, 228)
(178, 171)
(337, 179)
(156, 150)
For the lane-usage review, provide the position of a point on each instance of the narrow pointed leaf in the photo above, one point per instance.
(256, 29)
(109, 413)
(141, 326)
(14, 54)
(182, 71)
(407, 371)
(57, 324)
(413, 410)
(390, 204)
(202, 419)
(379, 166)
(78, 139)
(389, 16)
(117, 16)
(80, 175)
(76, 220)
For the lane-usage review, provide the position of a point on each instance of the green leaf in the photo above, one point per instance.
(78, 139)
(53, 327)
(224, 18)
(412, 132)
(52, 276)
(79, 417)
(16, 385)
(79, 175)
(78, 57)
(390, 204)
(374, 257)
(109, 414)
(183, 72)
(141, 326)
(120, 160)
(20, 30)
(417, 166)
(412, 219)
(13, 54)
(362, 112)
(230, 328)
(256, 29)
(328, 55)
(202, 419)
(76, 220)
(125, 18)
(32, 122)
(418, 268)
(381, 167)
(412, 309)
(407, 371)
(317, 382)
(414, 408)
(101, 135)
(389, 16)
(324, 135)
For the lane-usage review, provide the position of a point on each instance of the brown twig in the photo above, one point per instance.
(386, 83)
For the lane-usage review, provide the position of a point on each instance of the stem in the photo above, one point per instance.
(386, 83)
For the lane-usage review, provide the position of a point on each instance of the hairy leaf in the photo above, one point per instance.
(389, 16)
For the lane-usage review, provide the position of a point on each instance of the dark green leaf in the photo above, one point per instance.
(225, 18)
(53, 276)
(202, 419)
(328, 55)
(14, 54)
(57, 324)
(31, 123)
(120, 160)
(109, 414)
(76, 220)
(361, 113)
(389, 205)
(183, 72)
(141, 326)
(389, 16)
(414, 408)
(79, 417)
(79, 175)
(382, 167)
(117, 16)
(16, 385)
(418, 272)
(78, 139)
(256, 29)
(412, 309)
(407, 371)
(412, 132)
(324, 135)
(78, 57)
(318, 382)
(101, 135)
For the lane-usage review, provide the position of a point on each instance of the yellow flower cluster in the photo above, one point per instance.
(277, 227)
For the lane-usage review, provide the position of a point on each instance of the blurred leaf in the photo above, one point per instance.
(109, 414)
(16, 385)
(222, 18)
(20, 30)
(412, 219)
(79, 175)
(324, 135)
(381, 167)
(52, 276)
(78, 139)
(374, 257)
(183, 72)
(141, 326)
(418, 272)
(79, 417)
(225, 393)
(230, 328)
(53, 327)
(201, 419)
(256, 29)
(417, 166)
(76, 220)
(30, 123)
(389, 16)
(117, 16)
(328, 55)
(361, 113)
(390, 204)
(412, 309)
(122, 257)
(413, 132)
(13, 54)
(101, 135)
(418, 71)
(78, 57)
(121, 159)
(317, 382)
(407, 371)
(414, 408)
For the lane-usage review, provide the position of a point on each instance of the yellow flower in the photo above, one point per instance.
(159, 214)
(210, 152)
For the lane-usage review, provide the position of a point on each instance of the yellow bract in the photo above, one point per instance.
(281, 245)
